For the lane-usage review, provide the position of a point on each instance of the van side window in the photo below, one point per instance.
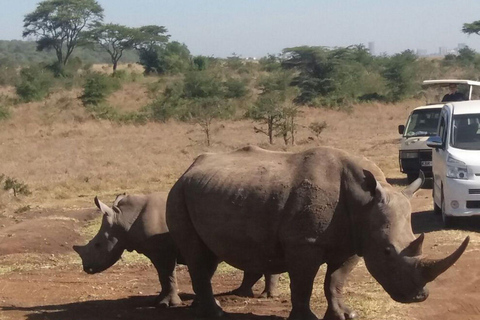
(441, 129)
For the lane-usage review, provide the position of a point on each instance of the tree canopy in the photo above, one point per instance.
(59, 24)
(114, 39)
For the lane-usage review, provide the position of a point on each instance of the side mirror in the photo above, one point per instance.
(435, 142)
(401, 129)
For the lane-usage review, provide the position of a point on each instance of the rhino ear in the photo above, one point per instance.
(375, 188)
(104, 208)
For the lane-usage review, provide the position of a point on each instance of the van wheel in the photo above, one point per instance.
(448, 222)
(411, 177)
(436, 208)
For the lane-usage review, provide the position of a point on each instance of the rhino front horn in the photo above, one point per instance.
(432, 268)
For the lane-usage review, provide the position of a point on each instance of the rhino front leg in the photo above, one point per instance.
(271, 286)
(168, 297)
(249, 280)
(335, 279)
(302, 269)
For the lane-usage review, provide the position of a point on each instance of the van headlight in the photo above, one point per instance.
(408, 154)
(456, 169)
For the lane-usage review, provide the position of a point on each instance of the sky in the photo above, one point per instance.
(255, 28)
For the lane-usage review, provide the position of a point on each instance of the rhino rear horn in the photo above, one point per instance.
(77, 249)
(415, 247)
(432, 268)
(415, 185)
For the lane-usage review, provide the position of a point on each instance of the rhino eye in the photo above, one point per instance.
(97, 245)
(388, 251)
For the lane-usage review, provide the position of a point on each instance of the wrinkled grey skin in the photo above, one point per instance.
(137, 222)
(271, 212)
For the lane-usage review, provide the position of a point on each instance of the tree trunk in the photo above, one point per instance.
(115, 64)
(270, 129)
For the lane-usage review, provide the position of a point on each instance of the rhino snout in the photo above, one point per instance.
(89, 270)
(420, 296)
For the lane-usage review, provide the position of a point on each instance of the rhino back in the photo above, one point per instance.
(257, 201)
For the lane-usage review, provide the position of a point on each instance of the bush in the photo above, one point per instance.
(8, 73)
(97, 88)
(103, 111)
(4, 112)
(317, 127)
(18, 187)
(35, 83)
(235, 88)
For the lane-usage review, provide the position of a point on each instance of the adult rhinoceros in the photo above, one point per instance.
(137, 222)
(271, 212)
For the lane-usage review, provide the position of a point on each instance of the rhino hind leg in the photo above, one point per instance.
(335, 279)
(271, 286)
(201, 261)
(249, 280)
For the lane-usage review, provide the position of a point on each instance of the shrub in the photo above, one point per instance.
(317, 127)
(235, 88)
(8, 73)
(18, 187)
(4, 112)
(35, 83)
(103, 111)
(97, 88)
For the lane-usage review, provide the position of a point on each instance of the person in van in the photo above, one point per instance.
(453, 94)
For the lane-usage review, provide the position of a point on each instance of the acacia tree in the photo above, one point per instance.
(473, 27)
(59, 25)
(114, 39)
(149, 40)
(274, 107)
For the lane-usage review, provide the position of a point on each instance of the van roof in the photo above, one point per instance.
(432, 106)
(465, 107)
(448, 81)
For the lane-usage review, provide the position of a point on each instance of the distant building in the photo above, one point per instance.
(371, 48)
(443, 51)
(422, 52)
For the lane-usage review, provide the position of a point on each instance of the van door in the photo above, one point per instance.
(439, 158)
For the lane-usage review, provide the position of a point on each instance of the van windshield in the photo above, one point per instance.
(423, 123)
(465, 131)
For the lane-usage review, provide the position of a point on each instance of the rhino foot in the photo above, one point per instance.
(210, 312)
(269, 294)
(344, 313)
(167, 300)
(302, 315)
(242, 292)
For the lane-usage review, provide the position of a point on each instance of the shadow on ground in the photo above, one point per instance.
(132, 308)
(427, 221)
(428, 184)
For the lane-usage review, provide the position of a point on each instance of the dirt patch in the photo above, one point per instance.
(44, 231)
(54, 286)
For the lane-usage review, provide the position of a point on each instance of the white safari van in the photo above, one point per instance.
(456, 161)
(414, 154)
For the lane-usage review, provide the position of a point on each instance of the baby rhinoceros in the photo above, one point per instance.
(137, 222)
(134, 222)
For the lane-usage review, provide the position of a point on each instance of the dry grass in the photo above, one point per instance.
(66, 159)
